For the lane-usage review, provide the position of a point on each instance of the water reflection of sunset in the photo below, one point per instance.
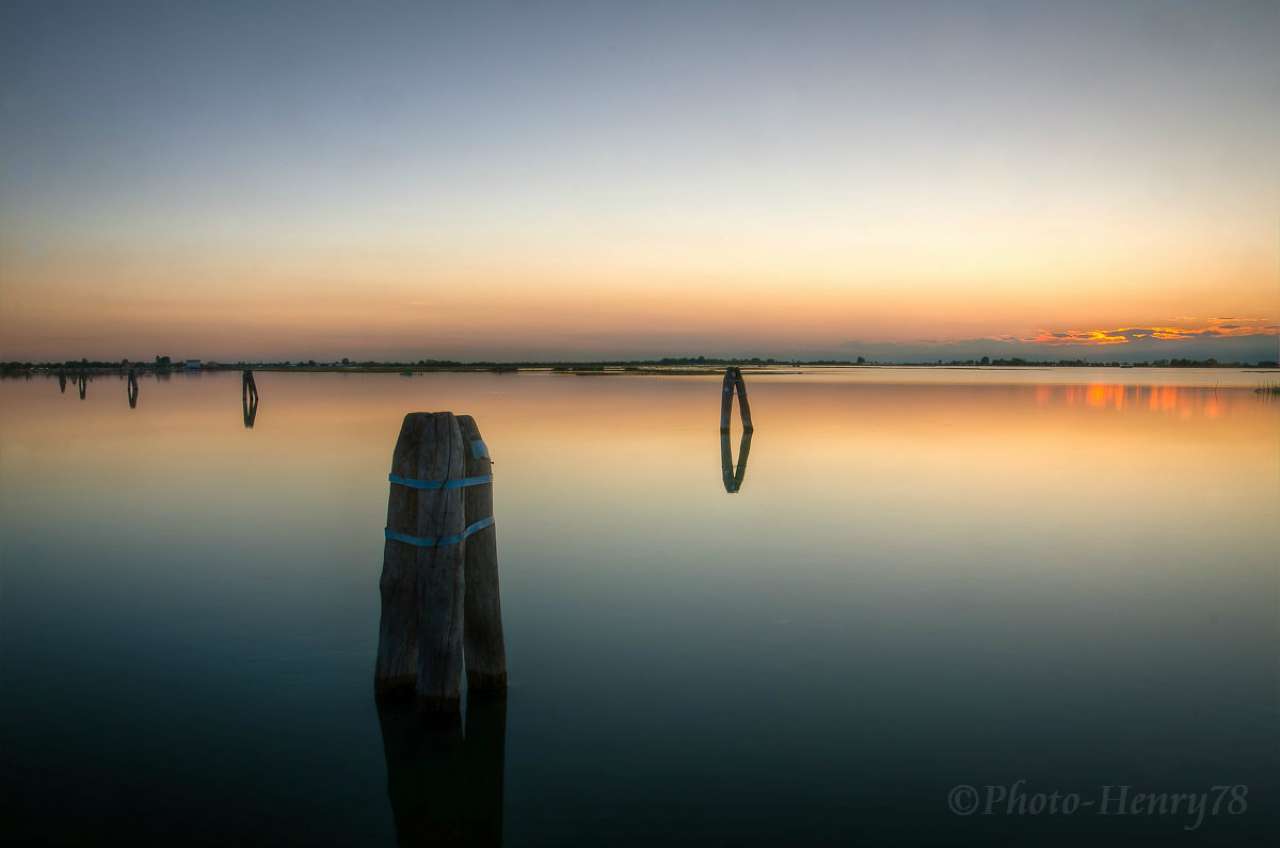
(1182, 401)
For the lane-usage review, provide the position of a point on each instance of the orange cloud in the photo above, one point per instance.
(1217, 327)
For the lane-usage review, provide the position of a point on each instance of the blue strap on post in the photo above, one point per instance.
(432, 485)
(434, 541)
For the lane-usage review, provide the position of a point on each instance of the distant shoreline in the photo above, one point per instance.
(599, 369)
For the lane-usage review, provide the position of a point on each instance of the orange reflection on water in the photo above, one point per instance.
(1182, 401)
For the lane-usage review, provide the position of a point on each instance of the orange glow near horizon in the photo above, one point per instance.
(778, 181)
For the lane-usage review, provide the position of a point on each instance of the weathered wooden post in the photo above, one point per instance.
(733, 382)
(485, 649)
(744, 408)
(726, 400)
(132, 389)
(420, 639)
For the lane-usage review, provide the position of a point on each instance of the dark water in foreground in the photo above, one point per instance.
(923, 582)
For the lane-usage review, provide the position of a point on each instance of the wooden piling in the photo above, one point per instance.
(733, 382)
(420, 639)
(744, 407)
(726, 400)
(485, 649)
(132, 389)
(82, 383)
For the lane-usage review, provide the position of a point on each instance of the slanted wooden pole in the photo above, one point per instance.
(420, 638)
(733, 382)
(726, 400)
(744, 408)
(485, 649)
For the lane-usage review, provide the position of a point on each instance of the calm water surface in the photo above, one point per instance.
(927, 578)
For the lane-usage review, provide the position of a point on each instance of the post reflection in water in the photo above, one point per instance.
(733, 477)
(249, 399)
(445, 787)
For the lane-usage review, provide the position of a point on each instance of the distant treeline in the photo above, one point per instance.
(165, 363)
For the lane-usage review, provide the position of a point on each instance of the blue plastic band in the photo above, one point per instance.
(434, 541)
(478, 449)
(460, 483)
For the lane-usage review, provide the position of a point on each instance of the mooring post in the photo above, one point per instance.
(420, 637)
(485, 649)
(733, 382)
(744, 408)
(726, 400)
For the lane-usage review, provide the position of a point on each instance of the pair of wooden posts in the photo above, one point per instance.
(441, 608)
(732, 476)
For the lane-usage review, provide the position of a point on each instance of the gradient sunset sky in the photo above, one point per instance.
(598, 180)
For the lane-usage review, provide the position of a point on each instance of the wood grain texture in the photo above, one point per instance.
(486, 652)
(420, 635)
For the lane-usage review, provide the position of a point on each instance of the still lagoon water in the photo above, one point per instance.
(926, 579)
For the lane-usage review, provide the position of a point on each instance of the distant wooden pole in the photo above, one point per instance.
(62, 382)
(420, 637)
(485, 649)
(132, 389)
(744, 408)
(82, 383)
(248, 398)
(726, 400)
(733, 382)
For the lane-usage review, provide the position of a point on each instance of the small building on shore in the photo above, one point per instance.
(191, 365)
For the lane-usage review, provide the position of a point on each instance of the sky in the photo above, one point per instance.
(908, 181)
